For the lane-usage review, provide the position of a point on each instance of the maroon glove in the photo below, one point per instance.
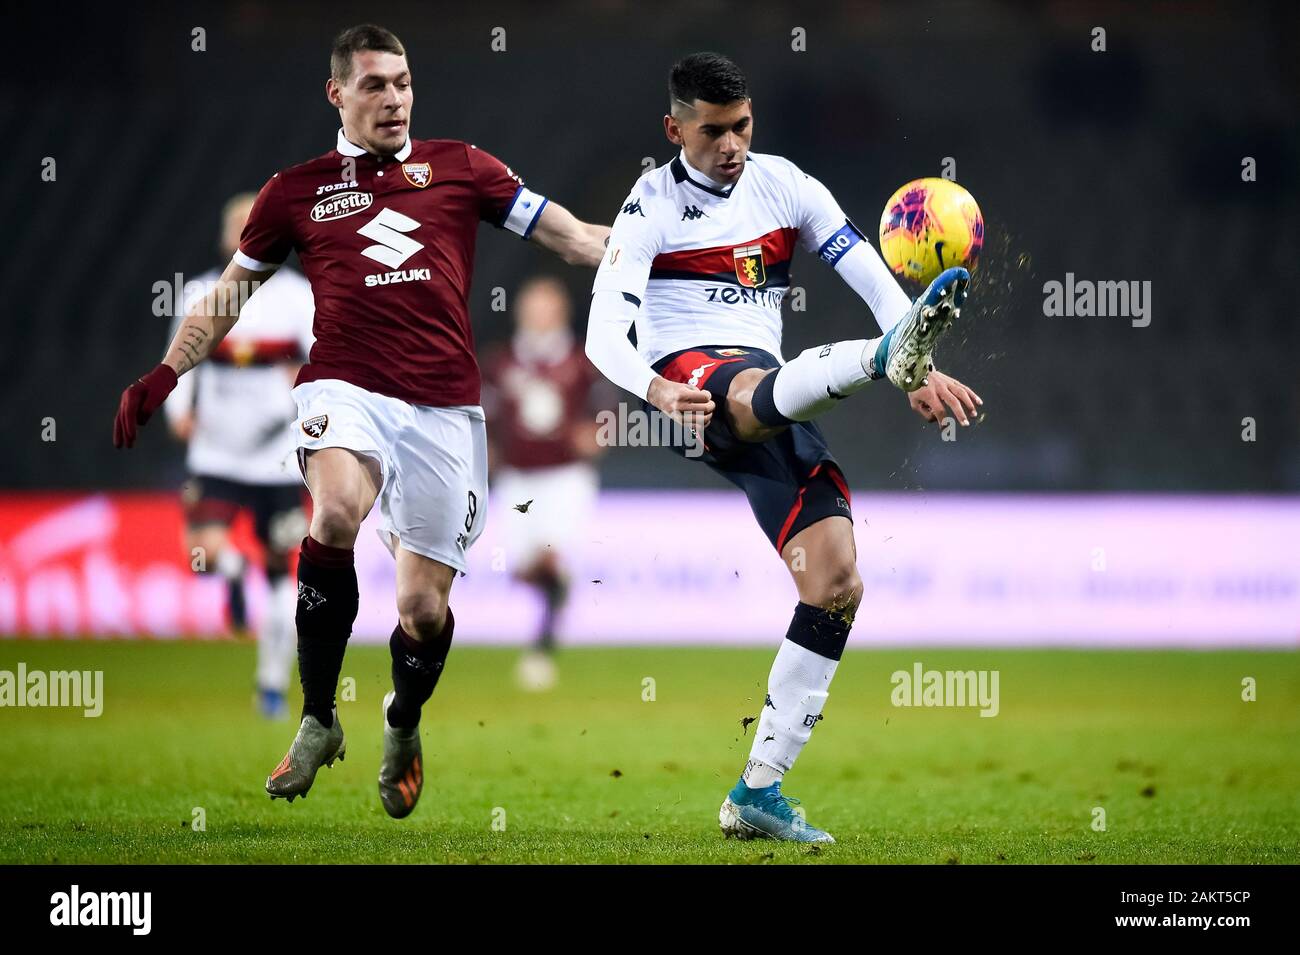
(139, 402)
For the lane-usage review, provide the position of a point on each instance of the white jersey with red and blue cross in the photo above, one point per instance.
(711, 266)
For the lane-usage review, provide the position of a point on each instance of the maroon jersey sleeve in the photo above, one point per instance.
(503, 199)
(266, 239)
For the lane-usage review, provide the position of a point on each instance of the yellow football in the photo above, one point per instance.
(930, 225)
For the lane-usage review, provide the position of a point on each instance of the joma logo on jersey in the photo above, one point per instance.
(749, 266)
(341, 206)
(335, 187)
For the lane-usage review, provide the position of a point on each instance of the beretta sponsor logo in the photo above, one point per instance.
(341, 206)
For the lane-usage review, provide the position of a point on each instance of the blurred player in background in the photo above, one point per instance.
(236, 414)
(699, 260)
(541, 394)
(385, 227)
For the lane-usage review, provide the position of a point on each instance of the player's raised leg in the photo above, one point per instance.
(814, 380)
(823, 562)
(419, 647)
(343, 485)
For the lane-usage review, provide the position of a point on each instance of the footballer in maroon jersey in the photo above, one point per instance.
(388, 411)
(542, 396)
(389, 252)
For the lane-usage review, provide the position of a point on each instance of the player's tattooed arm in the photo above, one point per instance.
(210, 317)
(575, 241)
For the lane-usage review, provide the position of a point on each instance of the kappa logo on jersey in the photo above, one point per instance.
(341, 206)
(417, 174)
(749, 266)
(315, 427)
(692, 213)
(632, 207)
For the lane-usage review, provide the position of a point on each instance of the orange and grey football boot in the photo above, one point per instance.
(401, 771)
(314, 746)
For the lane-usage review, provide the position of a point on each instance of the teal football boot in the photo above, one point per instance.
(766, 814)
(905, 353)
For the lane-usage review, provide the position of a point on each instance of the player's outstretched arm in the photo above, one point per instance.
(205, 325)
(575, 241)
(211, 317)
(827, 232)
(865, 272)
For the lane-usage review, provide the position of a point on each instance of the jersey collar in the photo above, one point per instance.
(349, 148)
(683, 171)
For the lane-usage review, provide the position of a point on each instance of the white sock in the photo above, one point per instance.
(796, 693)
(277, 636)
(808, 384)
(759, 775)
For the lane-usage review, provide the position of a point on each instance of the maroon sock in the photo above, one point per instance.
(327, 608)
(417, 664)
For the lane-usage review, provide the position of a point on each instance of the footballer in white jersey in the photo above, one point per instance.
(699, 261)
(236, 414)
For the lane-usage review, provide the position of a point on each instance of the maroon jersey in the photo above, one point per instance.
(388, 246)
(537, 401)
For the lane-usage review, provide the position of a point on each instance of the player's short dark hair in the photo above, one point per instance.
(364, 36)
(709, 77)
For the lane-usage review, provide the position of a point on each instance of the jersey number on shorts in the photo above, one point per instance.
(473, 509)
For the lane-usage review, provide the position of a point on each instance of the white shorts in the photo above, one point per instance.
(562, 500)
(434, 462)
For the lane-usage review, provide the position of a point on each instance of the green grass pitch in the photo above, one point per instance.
(1185, 770)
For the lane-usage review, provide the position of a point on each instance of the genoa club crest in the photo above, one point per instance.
(315, 427)
(749, 266)
(417, 173)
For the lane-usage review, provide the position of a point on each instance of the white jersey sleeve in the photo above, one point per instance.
(826, 231)
(820, 217)
(634, 242)
(618, 292)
